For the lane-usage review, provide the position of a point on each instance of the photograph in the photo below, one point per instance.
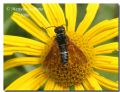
(60, 47)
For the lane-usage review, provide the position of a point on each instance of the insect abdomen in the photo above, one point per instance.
(64, 53)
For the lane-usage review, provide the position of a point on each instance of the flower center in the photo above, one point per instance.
(71, 73)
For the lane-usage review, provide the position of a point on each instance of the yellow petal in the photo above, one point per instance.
(67, 88)
(29, 26)
(30, 81)
(7, 53)
(93, 83)
(28, 51)
(79, 87)
(106, 82)
(24, 42)
(49, 85)
(106, 67)
(11, 48)
(102, 37)
(86, 85)
(22, 61)
(89, 17)
(106, 59)
(54, 14)
(106, 48)
(101, 27)
(71, 9)
(40, 81)
(57, 87)
(37, 16)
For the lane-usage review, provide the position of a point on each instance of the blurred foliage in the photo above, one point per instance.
(106, 11)
(11, 75)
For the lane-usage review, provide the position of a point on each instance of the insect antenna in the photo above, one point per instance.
(49, 27)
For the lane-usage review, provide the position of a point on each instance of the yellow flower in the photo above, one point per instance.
(84, 49)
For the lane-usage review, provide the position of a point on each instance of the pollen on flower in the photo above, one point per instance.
(72, 73)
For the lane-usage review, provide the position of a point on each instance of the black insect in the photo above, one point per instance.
(61, 40)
